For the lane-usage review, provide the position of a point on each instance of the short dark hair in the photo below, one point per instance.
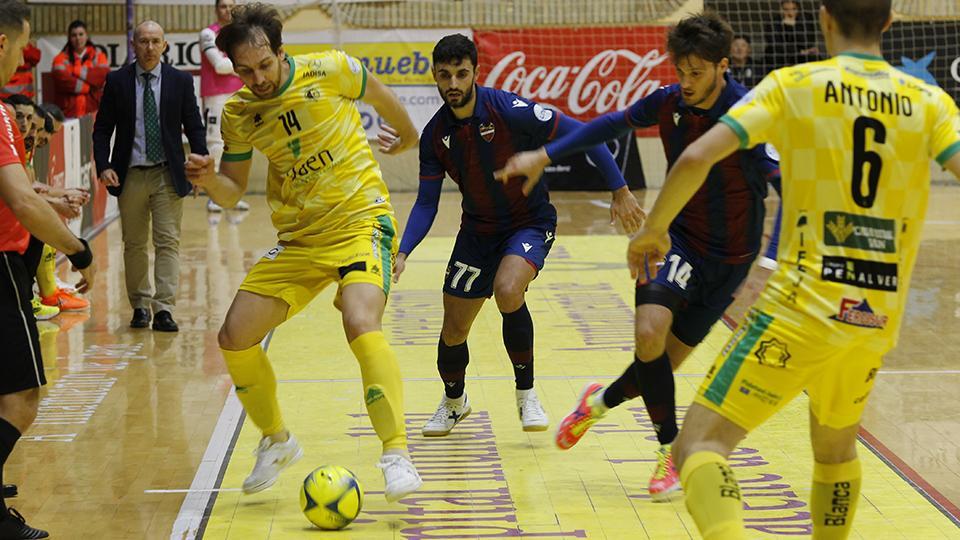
(741, 36)
(50, 112)
(705, 35)
(249, 22)
(12, 15)
(860, 19)
(453, 49)
(18, 99)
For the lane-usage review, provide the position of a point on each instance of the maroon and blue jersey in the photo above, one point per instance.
(470, 150)
(724, 219)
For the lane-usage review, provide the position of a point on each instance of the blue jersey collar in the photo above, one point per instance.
(479, 111)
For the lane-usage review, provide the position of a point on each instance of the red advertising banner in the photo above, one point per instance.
(584, 72)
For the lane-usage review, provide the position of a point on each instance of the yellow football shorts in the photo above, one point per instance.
(766, 363)
(298, 271)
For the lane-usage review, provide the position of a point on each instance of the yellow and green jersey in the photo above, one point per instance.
(855, 137)
(322, 175)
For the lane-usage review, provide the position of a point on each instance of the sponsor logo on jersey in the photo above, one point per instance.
(772, 352)
(542, 113)
(446, 141)
(487, 131)
(257, 120)
(518, 103)
(771, 152)
(676, 119)
(313, 94)
(861, 232)
(305, 168)
(859, 313)
(272, 254)
(526, 247)
(549, 238)
(860, 273)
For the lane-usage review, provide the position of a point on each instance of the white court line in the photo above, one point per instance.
(195, 503)
(204, 485)
(217, 490)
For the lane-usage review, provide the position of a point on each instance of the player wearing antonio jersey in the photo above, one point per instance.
(855, 137)
(715, 238)
(505, 233)
(334, 221)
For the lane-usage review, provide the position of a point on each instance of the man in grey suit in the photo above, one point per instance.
(148, 105)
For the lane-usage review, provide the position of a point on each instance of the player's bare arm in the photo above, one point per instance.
(400, 135)
(39, 218)
(226, 187)
(686, 176)
(953, 165)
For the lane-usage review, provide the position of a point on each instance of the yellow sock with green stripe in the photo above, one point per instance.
(713, 496)
(833, 499)
(46, 272)
(382, 388)
(256, 387)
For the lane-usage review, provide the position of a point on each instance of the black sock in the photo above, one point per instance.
(452, 365)
(626, 387)
(654, 381)
(518, 339)
(658, 391)
(8, 439)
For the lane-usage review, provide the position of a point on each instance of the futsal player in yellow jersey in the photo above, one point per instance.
(855, 137)
(335, 223)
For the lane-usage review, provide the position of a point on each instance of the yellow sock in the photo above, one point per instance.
(833, 499)
(256, 387)
(382, 388)
(713, 496)
(46, 272)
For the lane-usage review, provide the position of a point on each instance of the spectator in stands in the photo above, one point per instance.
(217, 83)
(79, 72)
(22, 80)
(792, 39)
(146, 169)
(742, 66)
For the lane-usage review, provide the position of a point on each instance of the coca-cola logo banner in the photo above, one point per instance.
(584, 72)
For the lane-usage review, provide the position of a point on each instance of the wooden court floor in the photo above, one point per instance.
(139, 435)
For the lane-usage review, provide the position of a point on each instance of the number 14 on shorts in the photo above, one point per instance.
(679, 271)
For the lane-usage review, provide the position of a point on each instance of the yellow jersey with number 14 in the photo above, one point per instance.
(322, 175)
(855, 137)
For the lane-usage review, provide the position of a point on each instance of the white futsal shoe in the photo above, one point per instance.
(272, 457)
(532, 415)
(400, 477)
(449, 413)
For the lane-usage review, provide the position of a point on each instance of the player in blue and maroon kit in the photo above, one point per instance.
(505, 235)
(715, 238)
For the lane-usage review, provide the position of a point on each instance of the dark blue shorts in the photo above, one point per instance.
(476, 257)
(701, 290)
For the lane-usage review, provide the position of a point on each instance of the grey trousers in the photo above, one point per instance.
(147, 195)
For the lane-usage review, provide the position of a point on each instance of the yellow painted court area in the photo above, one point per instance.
(489, 479)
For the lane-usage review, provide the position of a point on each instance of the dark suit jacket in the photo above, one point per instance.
(178, 114)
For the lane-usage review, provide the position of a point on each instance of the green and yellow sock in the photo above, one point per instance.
(256, 387)
(382, 389)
